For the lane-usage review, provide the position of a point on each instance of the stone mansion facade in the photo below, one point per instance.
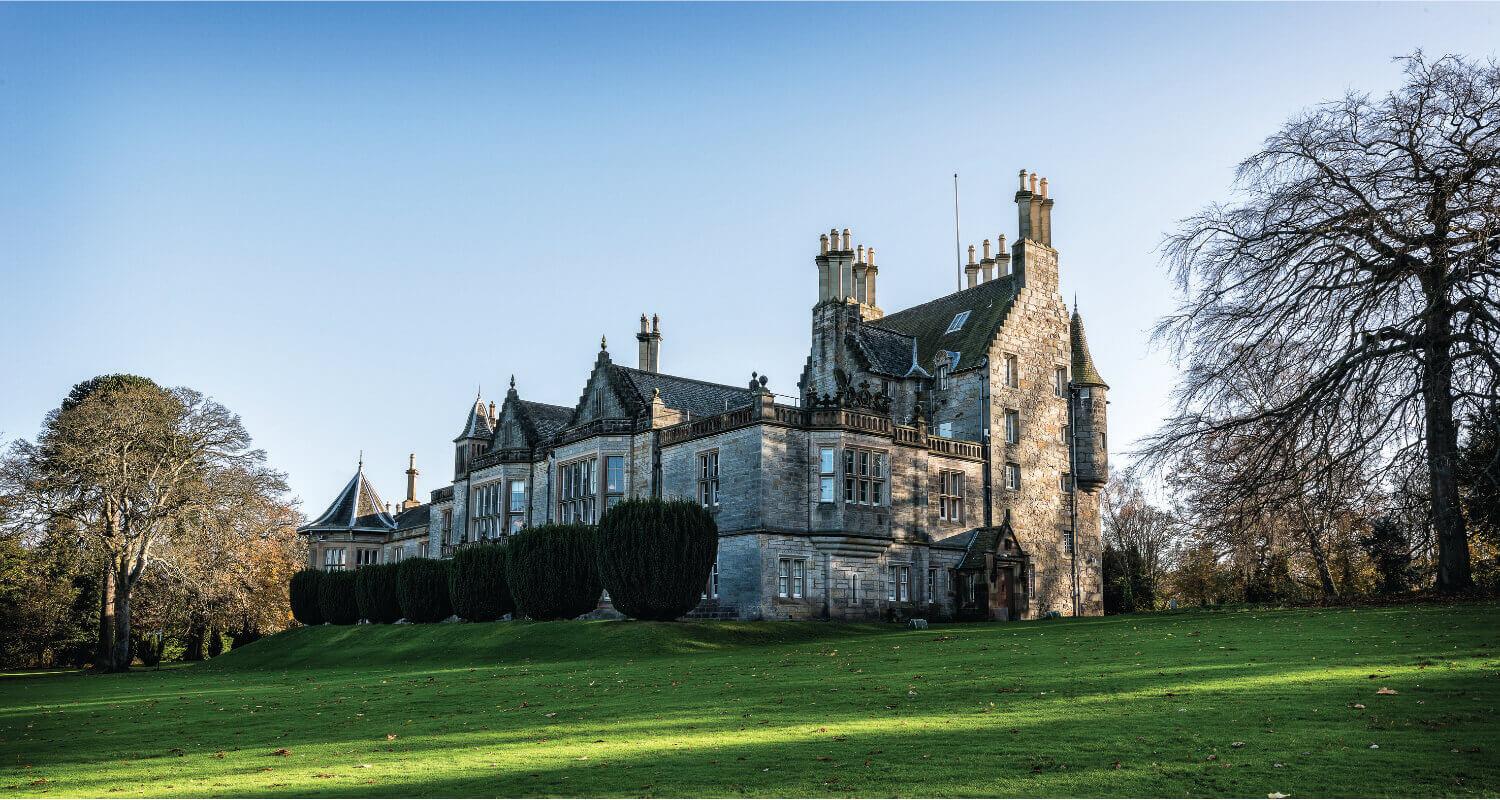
(943, 461)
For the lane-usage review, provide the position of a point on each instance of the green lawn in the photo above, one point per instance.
(1228, 703)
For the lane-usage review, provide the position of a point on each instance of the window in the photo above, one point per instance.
(854, 589)
(333, 558)
(951, 496)
(864, 476)
(1065, 483)
(791, 577)
(945, 430)
(708, 479)
(1012, 476)
(1085, 392)
(575, 498)
(614, 480)
(1062, 435)
(1060, 381)
(898, 586)
(958, 322)
(932, 585)
(1012, 372)
(364, 557)
(1012, 426)
(711, 589)
(825, 475)
(395, 556)
(485, 502)
(1067, 540)
(516, 507)
(448, 525)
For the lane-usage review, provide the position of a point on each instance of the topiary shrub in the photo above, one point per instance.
(655, 556)
(336, 598)
(553, 571)
(375, 593)
(422, 590)
(476, 583)
(306, 607)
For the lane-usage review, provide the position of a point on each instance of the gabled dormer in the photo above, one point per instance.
(523, 426)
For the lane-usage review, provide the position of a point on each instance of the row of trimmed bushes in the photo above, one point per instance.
(653, 556)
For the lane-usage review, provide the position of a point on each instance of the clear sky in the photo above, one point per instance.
(340, 220)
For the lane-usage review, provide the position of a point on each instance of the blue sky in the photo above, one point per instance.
(340, 220)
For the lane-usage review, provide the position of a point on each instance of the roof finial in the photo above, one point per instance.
(603, 345)
(361, 461)
(512, 381)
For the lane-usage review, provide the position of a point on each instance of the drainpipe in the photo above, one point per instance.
(984, 444)
(1073, 492)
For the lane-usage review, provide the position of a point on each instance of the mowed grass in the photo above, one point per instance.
(1219, 703)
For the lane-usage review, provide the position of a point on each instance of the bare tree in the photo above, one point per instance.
(1133, 522)
(1363, 253)
(126, 463)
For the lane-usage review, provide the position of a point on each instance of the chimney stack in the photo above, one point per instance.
(650, 345)
(986, 265)
(971, 270)
(411, 484)
(870, 272)
(1046, 215)
(859, 274)
(1002, 258)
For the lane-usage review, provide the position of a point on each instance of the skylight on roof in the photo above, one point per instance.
(958, 322)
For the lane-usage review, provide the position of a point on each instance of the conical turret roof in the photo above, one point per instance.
(477, 426)
(1084, 373)
(357, 508)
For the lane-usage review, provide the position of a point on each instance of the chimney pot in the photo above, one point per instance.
(971, 254)
(860, 257)
(870, 256)
(823, 245)
(1023, 180)
(1033, 183)
(643, 323)
(987, 250)
(1044, 188)
(655, 323)
(845, 246)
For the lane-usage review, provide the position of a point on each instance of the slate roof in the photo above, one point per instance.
(983, 543)
(357, 507)
(698, 398)
(886, 352)
(546, 418)
(987, 303)
(415, 517)
(477, 426)
(1084, 373)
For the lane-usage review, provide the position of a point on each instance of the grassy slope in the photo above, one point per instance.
(1121, 706)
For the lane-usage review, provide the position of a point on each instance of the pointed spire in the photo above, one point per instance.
(1084, 373)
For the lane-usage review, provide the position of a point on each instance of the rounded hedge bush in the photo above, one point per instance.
(336, 598)
(422, 590)
(656, 555)
(553, 571)
(476, 583)
(375, 593)
(306, 607)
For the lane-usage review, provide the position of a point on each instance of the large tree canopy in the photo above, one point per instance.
(1361, 255)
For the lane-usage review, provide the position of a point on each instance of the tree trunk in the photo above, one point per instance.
(193, 643)
(1320, 558)
(120, 661)
(104, 654)
(1453, 573)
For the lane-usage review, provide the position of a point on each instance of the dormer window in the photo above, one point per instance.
(958, 322)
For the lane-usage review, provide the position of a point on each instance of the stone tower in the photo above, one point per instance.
(1090, 414)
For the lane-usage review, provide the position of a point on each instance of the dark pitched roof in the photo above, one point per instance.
(357, 507)
(987, 305)
(698, 398)
(545, 418)
(1084, 373)
(886, 352)
(477, 426)
(983, 543)
(414, 517)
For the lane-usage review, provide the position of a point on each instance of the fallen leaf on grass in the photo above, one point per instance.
(390, 737)
(1277, 796)
(1236, 744)
(1356, 705)
(363, 766)
(282, 751)
(1384, 690)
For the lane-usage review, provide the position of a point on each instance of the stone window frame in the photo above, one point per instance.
(1067, 540)
(898, 583)
(1011, 378)
(866, 478)
(1060, 382)
(1012, 476)
(574, 506)
(854, 598)
(791, 577)
(932, 576)
(366, 556)
(828, 490)
(951, 495)
(708, 477)
(612, 495)
(448, 526)
(1012, 424)
(484, 504)
(332, 563)
(515, 518)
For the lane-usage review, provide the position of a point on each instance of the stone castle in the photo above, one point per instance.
(942, 461)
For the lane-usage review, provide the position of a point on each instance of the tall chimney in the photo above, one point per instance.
(411, 484)
(1002, 258)
(859, 274)
(1023, 210)
(650, 345)
(971, 270)
(1046, 215)
(986, 264)
(871, 271)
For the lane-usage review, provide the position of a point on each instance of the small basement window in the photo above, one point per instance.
(958, 322)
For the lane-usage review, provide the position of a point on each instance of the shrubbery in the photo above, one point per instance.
(476, 583)
(422, 590)
(553, 571)
(655, 556)
(336, 598)
(306, 607)
(375, 593)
